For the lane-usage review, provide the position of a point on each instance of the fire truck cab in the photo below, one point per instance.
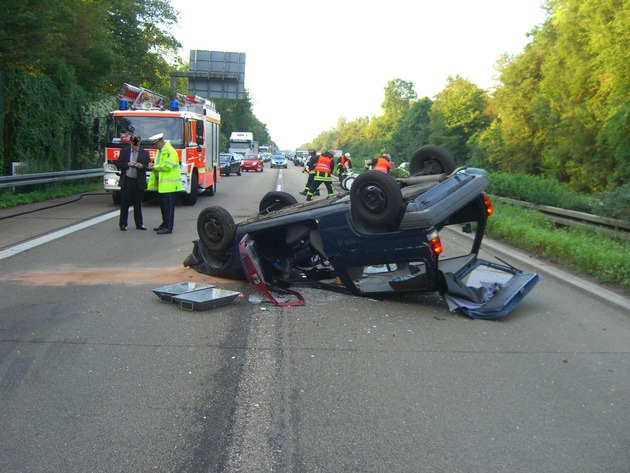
(191, 124)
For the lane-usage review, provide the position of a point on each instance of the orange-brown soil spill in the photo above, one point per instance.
(69, 276)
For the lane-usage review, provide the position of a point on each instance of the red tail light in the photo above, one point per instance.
(434, 243)
(436, 246)
(488, 202)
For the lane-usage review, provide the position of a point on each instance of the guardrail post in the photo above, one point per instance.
(17, 169)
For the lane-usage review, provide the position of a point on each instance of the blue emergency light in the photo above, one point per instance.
(123, 105)
(174, 106)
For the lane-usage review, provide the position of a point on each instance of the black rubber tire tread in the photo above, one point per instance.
(216, 228)
(375, 199)
(213, 188)
(191, 199)
(275, 200)
(436, 159)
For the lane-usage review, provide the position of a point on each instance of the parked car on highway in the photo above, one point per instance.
(382, 238)
(279, 161)
(253, 162)
(230, 163)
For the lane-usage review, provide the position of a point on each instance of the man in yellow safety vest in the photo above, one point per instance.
(165, 178)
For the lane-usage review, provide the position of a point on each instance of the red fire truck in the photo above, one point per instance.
(191, 124)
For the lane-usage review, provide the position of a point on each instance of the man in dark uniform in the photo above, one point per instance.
(133, 163)
(309, 166)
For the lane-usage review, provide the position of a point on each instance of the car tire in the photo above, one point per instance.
(375, 199)
(431, 159)
(116, 197)
(216, 229)
(239, 172)
(275, 200)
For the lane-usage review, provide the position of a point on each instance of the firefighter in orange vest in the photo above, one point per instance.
(309, 167)
(323, 173)
(383, 164)
(344, 165)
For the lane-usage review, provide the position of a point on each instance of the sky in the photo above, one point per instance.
(308, 64)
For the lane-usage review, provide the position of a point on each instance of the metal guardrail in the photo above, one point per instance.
(45, 177)
(572, 218)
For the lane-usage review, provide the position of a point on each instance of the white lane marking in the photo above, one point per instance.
(21, 247)
(279, 181)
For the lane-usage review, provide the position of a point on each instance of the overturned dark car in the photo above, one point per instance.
(380, 238)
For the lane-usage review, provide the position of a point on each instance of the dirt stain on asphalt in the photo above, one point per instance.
(92, 276)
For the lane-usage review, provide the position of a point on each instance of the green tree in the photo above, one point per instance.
(518, 136)
(55, 55)
(238, 115)
(399, 95)
(581, 128)
(411, 131)
(145, 52)
(458, 113)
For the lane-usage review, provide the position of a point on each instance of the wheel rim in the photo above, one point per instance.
(373, 198)
(432, 166)
(213, 230)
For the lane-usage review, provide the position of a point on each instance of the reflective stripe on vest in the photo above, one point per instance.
(323, 164)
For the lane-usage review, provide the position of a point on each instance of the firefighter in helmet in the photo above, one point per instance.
(344, 165)
(383, 163)
(309, 167)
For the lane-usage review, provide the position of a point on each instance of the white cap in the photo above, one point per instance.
(155, 138)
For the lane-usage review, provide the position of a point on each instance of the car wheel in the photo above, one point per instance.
(216, 228)
(275, 200)
(431, 159)
(116, 197)
(238, 172)
(375, 199)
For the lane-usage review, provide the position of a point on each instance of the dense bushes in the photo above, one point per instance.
(537, 190)
(546, 191)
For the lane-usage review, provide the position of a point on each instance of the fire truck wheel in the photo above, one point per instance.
(375, 199)
(431, 159)
(213, 188)
(216, 228)
(116, 197)
(191, 199)
(275, 200)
